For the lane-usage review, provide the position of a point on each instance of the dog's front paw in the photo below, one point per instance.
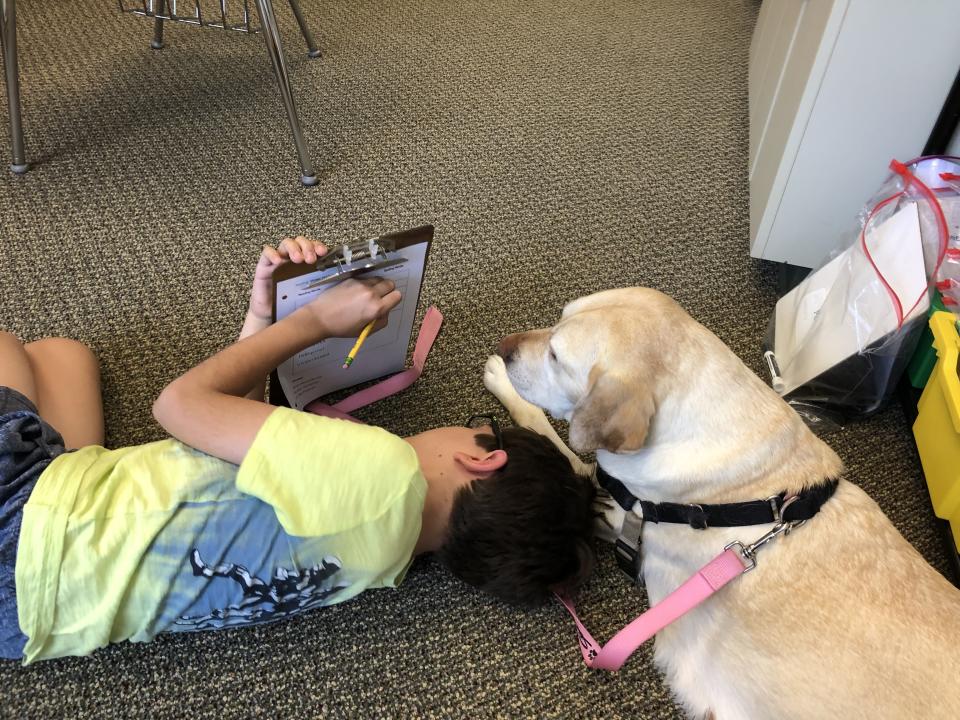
(496, 380)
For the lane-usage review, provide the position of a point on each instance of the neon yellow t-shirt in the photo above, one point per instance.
(124, 544)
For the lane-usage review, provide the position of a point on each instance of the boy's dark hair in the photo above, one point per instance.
(526, 529)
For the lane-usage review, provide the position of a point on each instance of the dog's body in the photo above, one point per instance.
(840, 619)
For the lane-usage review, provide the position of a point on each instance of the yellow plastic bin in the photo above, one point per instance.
(937, 428)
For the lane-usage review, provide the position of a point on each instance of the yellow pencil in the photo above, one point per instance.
(351, 356)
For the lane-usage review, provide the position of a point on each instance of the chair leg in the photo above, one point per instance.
(8, 40)
(271, 37)
(157, 42)
(312, 50)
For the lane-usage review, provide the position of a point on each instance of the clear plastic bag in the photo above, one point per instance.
(948, 277)
(838, 343)
(948, 280)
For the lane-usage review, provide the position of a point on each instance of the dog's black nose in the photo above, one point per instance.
(507, 348)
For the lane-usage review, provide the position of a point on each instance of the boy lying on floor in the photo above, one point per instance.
(254, 512)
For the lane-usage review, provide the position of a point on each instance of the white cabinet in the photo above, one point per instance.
(837, 89)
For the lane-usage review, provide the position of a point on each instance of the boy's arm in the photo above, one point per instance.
(206, 407)
(252, 324)
(259, 314)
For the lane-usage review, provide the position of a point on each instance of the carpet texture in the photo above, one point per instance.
(559, 147)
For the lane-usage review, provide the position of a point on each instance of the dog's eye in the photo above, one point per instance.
(553, 355)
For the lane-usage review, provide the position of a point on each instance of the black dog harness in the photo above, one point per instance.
(775, 509)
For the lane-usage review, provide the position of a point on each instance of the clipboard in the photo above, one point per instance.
(316, 371)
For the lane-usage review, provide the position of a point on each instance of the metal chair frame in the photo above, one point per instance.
(168, 11)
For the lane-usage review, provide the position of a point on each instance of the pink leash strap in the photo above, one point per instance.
(708, 580)
(429, 329)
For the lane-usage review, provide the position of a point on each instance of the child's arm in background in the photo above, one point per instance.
(206, 407)
(260, 311)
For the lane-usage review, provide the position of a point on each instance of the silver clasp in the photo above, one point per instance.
(749, 552)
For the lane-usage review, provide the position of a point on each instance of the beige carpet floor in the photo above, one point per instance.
(559, 148)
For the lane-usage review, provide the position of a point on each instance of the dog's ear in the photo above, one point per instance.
(613, 415)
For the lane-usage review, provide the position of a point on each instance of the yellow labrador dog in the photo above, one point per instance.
(840, 619)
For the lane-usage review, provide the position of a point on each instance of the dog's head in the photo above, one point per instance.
(599, 367)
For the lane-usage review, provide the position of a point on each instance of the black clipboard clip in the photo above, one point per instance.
(357, 259)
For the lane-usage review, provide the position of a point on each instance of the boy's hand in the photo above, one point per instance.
(298, 250)
(344, 310)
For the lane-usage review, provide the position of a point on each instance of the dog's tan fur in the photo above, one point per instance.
(840, 619)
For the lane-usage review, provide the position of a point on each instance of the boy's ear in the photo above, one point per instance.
(483, 465)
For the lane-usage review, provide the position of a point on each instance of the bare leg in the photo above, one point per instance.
(15, 369)
(67, 380)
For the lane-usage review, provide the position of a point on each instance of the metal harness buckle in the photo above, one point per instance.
(700, 522)
(775, 507)
(627, 546)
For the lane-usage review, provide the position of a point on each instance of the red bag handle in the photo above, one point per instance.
(908, 179)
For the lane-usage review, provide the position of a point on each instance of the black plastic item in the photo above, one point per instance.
(862, 384)
(275, 395)
(947, 122)
(789, 276)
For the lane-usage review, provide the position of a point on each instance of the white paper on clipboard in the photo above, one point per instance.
(318, 370)
(838, 311)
